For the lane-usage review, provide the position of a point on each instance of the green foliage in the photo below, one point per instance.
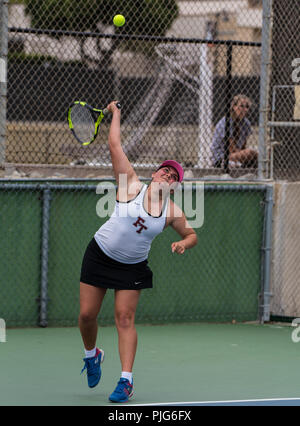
(143, 17)
(73, 15)
(151, 17)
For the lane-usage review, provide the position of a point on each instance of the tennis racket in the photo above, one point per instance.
(84, 121)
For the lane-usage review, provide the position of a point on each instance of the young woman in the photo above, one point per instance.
(116, 258)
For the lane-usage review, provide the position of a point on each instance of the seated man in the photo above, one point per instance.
(240, 129)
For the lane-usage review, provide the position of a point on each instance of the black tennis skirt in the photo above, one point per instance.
(100, 270)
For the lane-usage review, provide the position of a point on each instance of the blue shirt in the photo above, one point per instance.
(217, 146)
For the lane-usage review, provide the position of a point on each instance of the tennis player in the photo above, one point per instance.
(116, 258)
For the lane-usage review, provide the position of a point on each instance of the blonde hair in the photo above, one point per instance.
(238, 98)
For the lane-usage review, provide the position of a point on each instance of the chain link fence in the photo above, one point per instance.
(176, 66)
(212, 84)
(284, 137)
(47, 226)
(284, 90)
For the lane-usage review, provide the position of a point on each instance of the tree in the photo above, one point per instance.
(143, 17)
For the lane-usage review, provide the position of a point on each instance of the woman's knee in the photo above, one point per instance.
(86, 316)
(124, 319)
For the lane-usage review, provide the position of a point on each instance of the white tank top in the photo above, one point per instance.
(129, 232)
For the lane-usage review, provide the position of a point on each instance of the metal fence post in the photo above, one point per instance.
(3, 73)
(228, 95)
(264, 88)
(44, 257)
(266, 264)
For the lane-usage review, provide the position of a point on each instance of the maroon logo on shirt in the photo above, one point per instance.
(139, 223)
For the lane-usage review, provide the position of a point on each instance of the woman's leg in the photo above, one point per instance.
(125, 307)
(91, 299)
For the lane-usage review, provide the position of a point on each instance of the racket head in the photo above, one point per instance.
(84, 121)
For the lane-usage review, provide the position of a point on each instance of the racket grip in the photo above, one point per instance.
(105, 111)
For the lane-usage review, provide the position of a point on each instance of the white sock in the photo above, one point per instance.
(127, 375)
(90, 354)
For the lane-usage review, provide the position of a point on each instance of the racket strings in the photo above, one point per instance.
(83, 123)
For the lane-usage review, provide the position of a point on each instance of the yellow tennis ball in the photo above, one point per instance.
(119, 20)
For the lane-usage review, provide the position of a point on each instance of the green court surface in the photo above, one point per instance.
(179, 363)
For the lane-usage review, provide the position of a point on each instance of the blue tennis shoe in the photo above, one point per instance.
(123, 391)
(93, 368)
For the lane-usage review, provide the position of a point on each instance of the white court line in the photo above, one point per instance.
(219, 402)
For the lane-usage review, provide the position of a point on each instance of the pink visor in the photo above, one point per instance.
(175, 166)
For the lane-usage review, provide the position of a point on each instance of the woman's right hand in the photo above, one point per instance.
(112, 107)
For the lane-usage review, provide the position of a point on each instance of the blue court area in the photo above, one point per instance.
(179, 364)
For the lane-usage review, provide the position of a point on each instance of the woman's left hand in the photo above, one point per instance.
(178, 247)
